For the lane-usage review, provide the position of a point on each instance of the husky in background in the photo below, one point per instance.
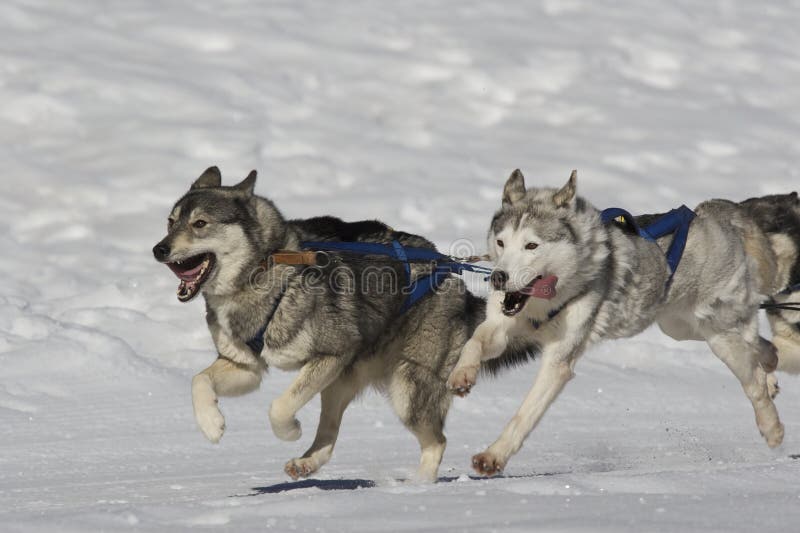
(339, 341)
(771, 229)
(596, 282)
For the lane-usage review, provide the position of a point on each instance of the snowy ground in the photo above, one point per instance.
(414, 114)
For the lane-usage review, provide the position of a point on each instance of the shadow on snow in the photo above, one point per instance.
(353, 484)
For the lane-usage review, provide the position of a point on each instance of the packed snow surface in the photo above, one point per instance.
(414, 113)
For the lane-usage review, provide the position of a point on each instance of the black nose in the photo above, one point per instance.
(498, 279)
(161, 251)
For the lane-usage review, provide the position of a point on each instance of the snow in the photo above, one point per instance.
(414, 113)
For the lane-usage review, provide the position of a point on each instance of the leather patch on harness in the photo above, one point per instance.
(287, 257)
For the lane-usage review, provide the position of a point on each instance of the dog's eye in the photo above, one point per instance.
(170, 223)
(199, 224)
(531, 246)
(500, 243)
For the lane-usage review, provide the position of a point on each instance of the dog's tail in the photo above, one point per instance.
(515, 355)
(778, 219)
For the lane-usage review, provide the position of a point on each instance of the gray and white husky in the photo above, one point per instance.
(564, 281)
(218, 243)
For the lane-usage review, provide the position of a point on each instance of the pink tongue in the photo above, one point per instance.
(189, 275)
(544, 288)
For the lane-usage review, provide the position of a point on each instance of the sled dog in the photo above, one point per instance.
(263, 313)
(564, 281)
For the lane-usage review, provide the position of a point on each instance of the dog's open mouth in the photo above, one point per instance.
(539, 287)
(193, 272)
(514, 302)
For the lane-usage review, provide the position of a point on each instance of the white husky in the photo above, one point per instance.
(566, 280)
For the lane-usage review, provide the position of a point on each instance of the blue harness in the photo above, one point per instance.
(443, 266)
(676, 222)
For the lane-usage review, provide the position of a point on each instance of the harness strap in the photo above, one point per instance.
(791, 289)
(616, 214)
(257, 342)
(374, 248)
(676, 222)
(401, 255)
(444, 264)
(289, 257)
(772, 305)
(423, 286)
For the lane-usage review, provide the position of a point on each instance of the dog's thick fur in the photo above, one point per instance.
(613, 284)
(340, 341)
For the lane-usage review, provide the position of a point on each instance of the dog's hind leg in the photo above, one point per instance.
(335, 400)
(223, 378)
(421, 401)
(744, 358)
(314, 376)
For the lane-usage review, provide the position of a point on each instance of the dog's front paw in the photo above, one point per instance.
(462, 379)
(300, 467)
(210, 421)
(284, 428)
(487, 464)
(206, 413)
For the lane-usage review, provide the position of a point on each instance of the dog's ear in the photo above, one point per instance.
(514, 190)
(567, 193)
(210, 178)
(248, 184)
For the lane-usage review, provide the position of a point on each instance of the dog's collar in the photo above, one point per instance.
(550, 316)
(555, 312)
